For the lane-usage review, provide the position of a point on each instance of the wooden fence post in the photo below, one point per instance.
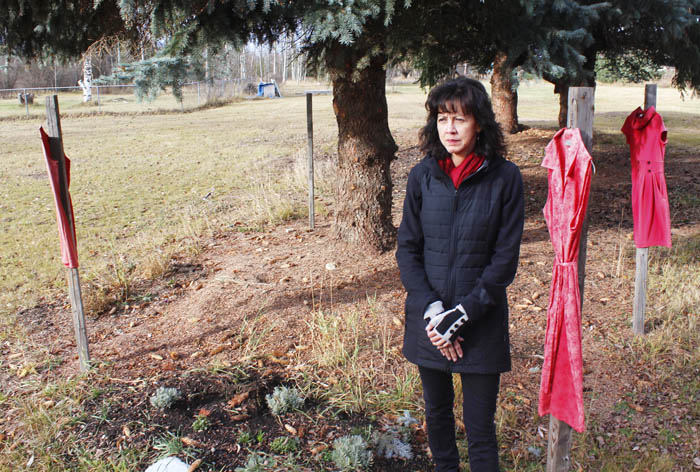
(56, 142)
(581, 110)
(642, 256)
(310, 153)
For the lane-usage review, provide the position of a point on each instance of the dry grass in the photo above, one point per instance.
(673, 322)
(349, 346)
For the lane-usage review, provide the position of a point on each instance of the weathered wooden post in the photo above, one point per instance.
(581, 110)
(310, 153)
(76, 299)
(642, 259)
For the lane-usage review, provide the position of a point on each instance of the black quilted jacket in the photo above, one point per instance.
(461, 246)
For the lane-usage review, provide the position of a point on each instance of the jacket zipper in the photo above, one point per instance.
(453, 239)
(452, 251)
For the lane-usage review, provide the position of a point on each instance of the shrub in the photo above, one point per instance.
(284, 399)
(403, 426)
(351, 453)
(389, 445)
(395, 441)
(165, 397)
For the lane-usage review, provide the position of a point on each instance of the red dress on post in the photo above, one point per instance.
(569, 177)
(69, 250)
(647, 138)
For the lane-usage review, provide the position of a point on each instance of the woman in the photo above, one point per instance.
(458, 249)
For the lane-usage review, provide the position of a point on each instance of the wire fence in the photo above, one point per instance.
(19, 102)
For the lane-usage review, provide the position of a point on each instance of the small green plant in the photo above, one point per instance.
(260, 437)
(102, 416)
(284, 445)
(351, 453)
(244, 438)
(201, 423)
(258, 462)
(165, 397)
(365, 431)
(170, 444)
(284, 399)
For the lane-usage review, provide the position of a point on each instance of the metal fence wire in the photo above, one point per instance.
(118, 98)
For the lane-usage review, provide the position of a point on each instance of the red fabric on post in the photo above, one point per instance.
(569, 178)
(647, 137)
(69, 251)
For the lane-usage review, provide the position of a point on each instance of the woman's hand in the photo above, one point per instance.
(452, 351)
(435, 338)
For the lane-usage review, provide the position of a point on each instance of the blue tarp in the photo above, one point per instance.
(268, 89)
(261, 87)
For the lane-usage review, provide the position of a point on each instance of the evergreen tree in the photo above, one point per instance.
(560, 41)
(626, 68)
(665, 32)
(352, 42)
(543, 37)
(151, 76)
(62, 29)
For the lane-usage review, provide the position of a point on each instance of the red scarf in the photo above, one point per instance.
(468, 166)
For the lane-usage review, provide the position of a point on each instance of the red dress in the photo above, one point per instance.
(69, 251)
(646, 136)
(569, 177)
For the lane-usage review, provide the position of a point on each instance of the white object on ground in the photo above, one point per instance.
(168, 464)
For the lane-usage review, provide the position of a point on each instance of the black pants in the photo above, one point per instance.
(480, 394)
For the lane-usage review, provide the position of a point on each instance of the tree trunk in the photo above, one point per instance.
(562, 86)
(207, 72)
(86, 82)
(563, 91)
(504, 94)
(284, 66)
(365, 150)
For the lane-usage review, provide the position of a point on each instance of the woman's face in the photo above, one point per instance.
(457, 131)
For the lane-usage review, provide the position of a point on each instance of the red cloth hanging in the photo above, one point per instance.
(647, 137)
(69, 251)
(569, 178)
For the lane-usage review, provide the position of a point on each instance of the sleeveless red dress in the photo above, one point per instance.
(647, 138)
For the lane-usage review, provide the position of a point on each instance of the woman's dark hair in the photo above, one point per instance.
(466, 96)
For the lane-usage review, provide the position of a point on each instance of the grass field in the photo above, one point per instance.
(146, 186)
(140, 180)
